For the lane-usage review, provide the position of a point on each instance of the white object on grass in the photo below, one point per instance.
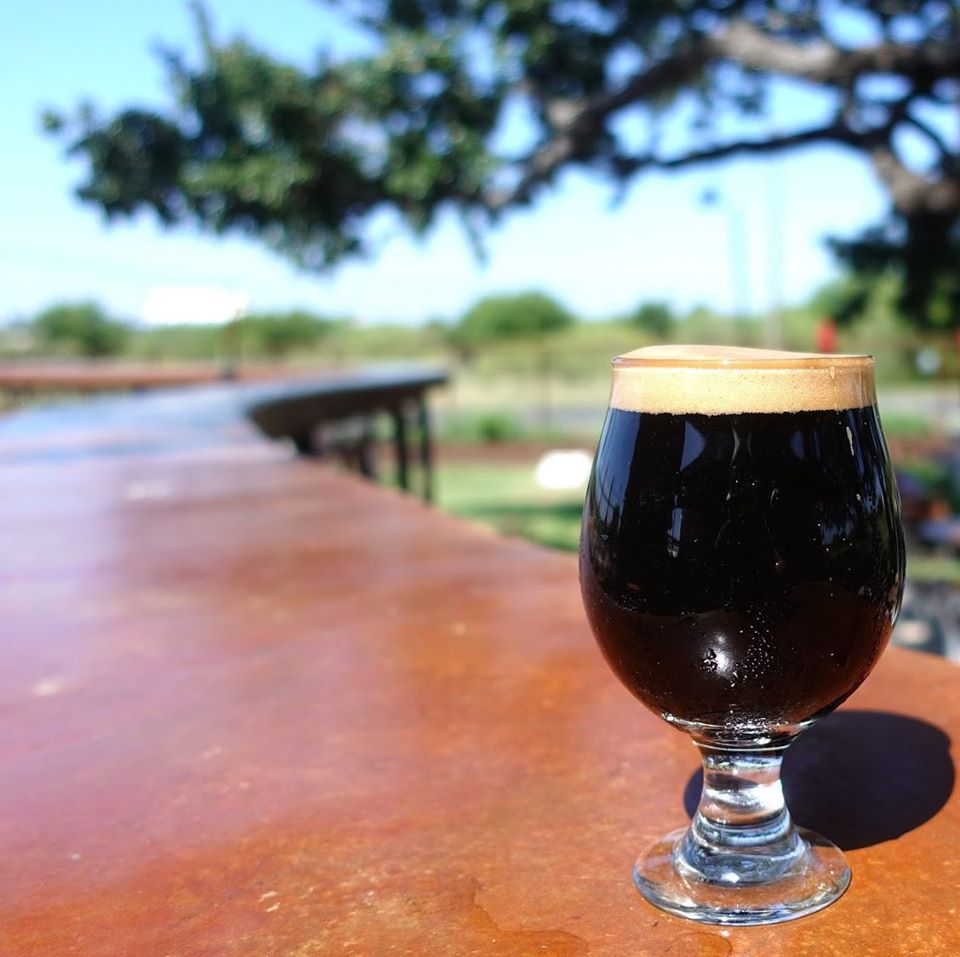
(563, 469)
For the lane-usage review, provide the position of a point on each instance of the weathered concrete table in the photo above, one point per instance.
(251, 706)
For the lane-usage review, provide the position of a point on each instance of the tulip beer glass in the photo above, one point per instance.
(741, 565)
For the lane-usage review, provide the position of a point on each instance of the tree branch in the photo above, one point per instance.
(575, 125)
(750, 46)
(833, 132)
(931, 134)
(822, 62)
(624, 167)
(911, 192)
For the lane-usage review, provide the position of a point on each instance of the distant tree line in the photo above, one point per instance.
(88, 330)
(81, 329)
(531, 324)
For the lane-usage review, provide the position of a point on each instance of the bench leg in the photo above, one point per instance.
(426, 449)
(366, 452)
(306, 443)
(400, 444)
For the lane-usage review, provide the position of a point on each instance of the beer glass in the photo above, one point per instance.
(741, 565)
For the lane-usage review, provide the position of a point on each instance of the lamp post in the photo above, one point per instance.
(737, 243)
(776, 258)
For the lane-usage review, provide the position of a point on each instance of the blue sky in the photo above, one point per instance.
(660, 243)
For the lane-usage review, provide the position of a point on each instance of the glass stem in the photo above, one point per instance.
(741, 832)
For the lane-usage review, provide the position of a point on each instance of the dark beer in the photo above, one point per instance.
(742, 569)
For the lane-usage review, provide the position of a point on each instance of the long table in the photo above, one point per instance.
(332, 414)
(254, 706)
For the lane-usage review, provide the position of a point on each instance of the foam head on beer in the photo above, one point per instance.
(718, 380)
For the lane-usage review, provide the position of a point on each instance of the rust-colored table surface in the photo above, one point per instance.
(94, 376)
(255, 707)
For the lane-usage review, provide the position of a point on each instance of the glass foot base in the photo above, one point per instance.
(818, 878)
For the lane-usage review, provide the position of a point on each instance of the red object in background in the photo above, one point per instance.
(826, 335)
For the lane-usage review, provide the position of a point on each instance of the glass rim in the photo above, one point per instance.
(732, 357)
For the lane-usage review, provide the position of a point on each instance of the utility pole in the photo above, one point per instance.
(776, 244)
(737, 243)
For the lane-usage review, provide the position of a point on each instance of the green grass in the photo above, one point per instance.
(507, 498)
(500, 428)
(903, 425)
(927, 569)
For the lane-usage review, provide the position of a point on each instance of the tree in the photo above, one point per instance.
(654, 317)
(845, 299)
(528, 315)
(278, 334)
(301, 159)
(82, 329)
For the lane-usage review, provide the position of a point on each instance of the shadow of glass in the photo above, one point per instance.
(862, 777)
